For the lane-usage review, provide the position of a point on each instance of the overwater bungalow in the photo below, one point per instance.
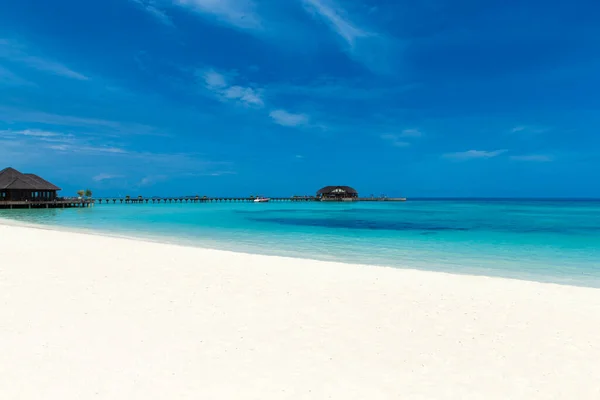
(337, 193)
(16, 186)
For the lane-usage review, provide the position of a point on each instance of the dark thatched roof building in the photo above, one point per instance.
(337, 193)
(16, 186)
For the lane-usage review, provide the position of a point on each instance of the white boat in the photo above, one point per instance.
(261, 200)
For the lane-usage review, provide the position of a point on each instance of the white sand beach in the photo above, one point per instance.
(92, 317)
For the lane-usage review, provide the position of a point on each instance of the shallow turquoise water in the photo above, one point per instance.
(553, 241)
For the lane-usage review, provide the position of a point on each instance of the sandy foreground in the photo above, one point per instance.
(91, 317)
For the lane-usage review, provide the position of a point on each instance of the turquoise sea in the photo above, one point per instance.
(543, 240)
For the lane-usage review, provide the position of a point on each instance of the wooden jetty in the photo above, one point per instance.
(18, 190)
(58, 203)
(181, 200)
(327, 194)
(75, 202)
(188, 200)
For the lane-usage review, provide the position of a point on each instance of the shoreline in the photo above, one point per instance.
(161, 239)
(96, 316)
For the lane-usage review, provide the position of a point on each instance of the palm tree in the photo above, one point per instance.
(88, 193)
(81, 193)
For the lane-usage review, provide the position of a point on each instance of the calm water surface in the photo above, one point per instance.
(554, 241)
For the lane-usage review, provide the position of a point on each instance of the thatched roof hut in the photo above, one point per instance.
(337, 192)
(17, 186)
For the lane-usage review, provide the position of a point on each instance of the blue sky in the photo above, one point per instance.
(280, 97)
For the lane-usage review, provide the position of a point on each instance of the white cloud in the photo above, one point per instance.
(395, 140)
(411, 133)
(285, 118)
(60, 142)
(399, 139)
(214, 80)
(533, 158)
(151, 180)
(39, 137)
(105, 177)
(474, 154)
(37, 133)
(52, 67)
(15, 53)
(334, 17)
(377, 52)
(76, 151)
(88, 149)
(218, 84)
(237, 13)
(151, 7)
(9, 114)
(9, 78)
(220, 173)
(221, 85)
(59, 147)
(246, 95)
(529, 129)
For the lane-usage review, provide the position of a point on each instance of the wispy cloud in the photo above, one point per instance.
(9, 114)
(17, 53)
(473, 155)
(38, 137)
(61, 142)
(395, 140)
(237, 13)
(10, 79)
(363, 45)
(411, 133)
(106, 177)
(220, 173)
(42, 147)
(214, 80)
(533, 158)
(74, 148)
(334, 16)
(219, 85)
(401, 139)
(152, 179)
(285, 118)
(151, 7)
(244, 95)
(527, 129)
(37, 133)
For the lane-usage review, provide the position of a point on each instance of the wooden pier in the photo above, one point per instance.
(82, 203)
(182, 200)
(188, 200)
(58, 203)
